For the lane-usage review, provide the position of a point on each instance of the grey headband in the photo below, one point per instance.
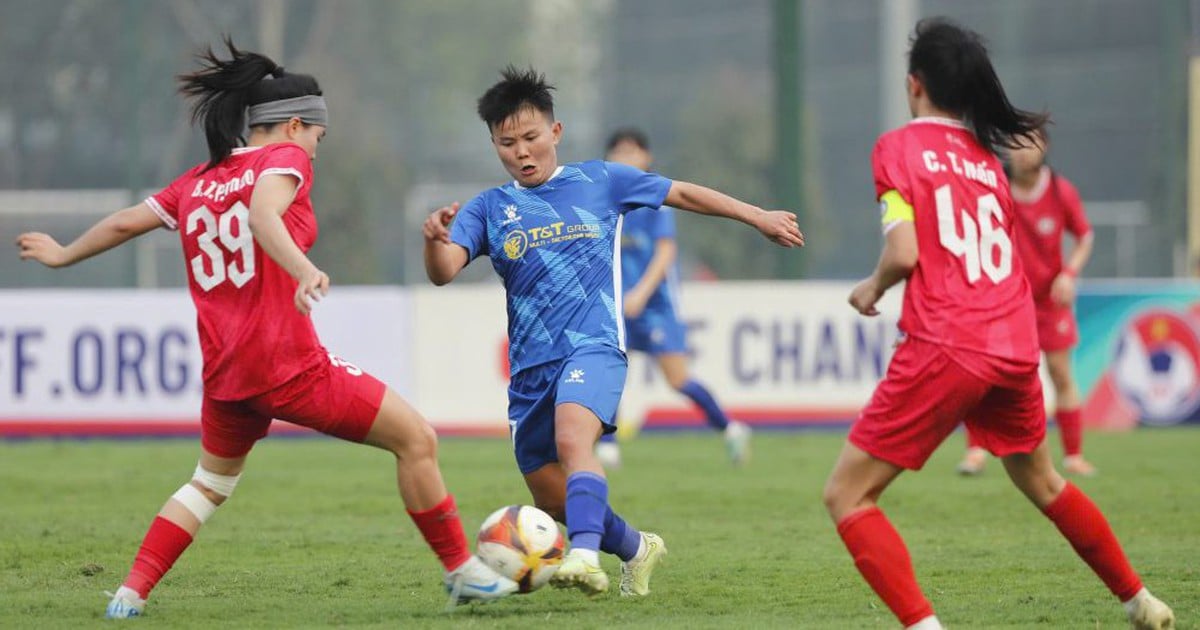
(310, 109)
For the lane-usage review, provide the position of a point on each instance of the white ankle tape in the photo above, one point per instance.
(195, 502)
(221, 484)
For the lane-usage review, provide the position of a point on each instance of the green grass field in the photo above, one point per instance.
(315, 536)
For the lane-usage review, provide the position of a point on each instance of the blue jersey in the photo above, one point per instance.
(555, 248)
(642, 230)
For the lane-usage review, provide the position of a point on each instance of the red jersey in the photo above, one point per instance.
(251, 336)
(1042, 215)
(968, 290)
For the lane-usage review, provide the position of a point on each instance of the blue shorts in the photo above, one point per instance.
(656, 332)
(594, 376)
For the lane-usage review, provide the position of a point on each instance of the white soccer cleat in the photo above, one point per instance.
(1147, 612)
(737, 442)
(576, 572)
(929, 623)
(973, 462)
(475, 581)
(125, 604)
(609, 454)
(1078, 466)
(635, 574)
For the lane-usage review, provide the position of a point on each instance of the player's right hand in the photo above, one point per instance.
(865, 295)
(42, 248)
(780, 226)
(437, 226)
(313, 285)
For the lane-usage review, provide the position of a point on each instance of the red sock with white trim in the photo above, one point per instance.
(164, 543)
(1070, 427)
(443, 531)
(883, 560)
(1084, 526)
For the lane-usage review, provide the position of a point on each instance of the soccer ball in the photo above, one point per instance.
(521, 543)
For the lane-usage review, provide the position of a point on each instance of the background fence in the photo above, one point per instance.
(775, 101)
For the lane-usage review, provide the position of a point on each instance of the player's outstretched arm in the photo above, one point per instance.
(778, 225)
(896, 262)
(443, 258)
(272, 196)
(106, 234)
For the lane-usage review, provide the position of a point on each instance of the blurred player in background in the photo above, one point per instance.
(552, 236)
(1046, 205)
(970, 347)
(245, 221)
(650, 280)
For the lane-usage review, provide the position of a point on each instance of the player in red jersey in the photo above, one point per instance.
(970, 347)
(245, 221)
(1046, 205)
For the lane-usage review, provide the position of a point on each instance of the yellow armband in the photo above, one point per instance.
(893, 209)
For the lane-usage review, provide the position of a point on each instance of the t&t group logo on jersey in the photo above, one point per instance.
(515, 244)
(1156, 366)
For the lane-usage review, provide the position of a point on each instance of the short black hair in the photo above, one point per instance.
(518, 89)
(628, 134)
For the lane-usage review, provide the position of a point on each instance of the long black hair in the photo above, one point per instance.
(517, 89)
(224, 88)
(952, 63)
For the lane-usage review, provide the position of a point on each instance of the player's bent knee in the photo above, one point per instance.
(1037, 480)
(841, 499)
(834, 501)
(832, 495)
(205, 492)
(420, 442)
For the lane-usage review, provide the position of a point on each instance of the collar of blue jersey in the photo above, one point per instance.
(556, 172)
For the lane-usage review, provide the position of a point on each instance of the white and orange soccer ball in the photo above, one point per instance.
(523, 544)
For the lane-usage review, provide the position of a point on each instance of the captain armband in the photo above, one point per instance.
(893, 209)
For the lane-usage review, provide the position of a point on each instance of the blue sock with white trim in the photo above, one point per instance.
(619, 538)
(587, 503)
(712, 411)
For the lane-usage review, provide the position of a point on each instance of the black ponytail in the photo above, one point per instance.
(952, 63)
(224, 88)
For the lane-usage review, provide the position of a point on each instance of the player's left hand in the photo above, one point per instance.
(313, 285)
(865, 295)
(42, 248)
(781, 227)
(1062, 291)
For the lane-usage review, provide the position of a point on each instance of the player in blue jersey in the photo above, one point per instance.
(552, 235)
(650, 281)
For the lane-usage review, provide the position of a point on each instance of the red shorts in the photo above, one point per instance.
(335, 398)
(926, 394)
(1056, 327)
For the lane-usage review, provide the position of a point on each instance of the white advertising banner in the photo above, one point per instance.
(128, 361)
(772, 352)
(460, 361)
